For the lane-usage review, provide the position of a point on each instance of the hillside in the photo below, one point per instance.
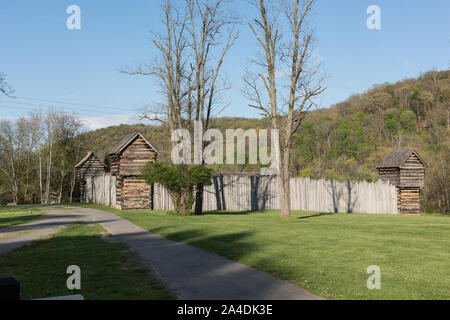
(347, 140)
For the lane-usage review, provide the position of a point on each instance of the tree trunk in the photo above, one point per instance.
(27, 179)
(199, 199)
(61, 187)
(72, 185)
(40, 177)
(285, 191)
(49, 168)
(14, 184)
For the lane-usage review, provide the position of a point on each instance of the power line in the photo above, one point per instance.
(74, 104)
(80, 115)
(70, 103)
(52, 106)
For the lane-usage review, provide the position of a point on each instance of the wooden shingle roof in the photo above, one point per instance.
(396, 159)
(88, 156)
(127, 140)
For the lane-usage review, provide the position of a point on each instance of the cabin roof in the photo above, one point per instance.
(396, 159)
(127, 140)
(88, 156)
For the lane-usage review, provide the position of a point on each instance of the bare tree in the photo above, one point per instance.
(191, 51)
(76, 149)
(168, 67)
(284, 96)
(35, 125)
(26, 148)
(9, 151)
(211, 35)
(50, 139)
(4, 87)
(66, 148)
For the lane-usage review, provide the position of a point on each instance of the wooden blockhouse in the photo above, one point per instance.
(128, 159)
(406, 170)
(89, 166)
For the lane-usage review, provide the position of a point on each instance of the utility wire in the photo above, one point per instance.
(70, 103)
(53, 106)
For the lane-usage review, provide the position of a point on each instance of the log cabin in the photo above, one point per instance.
(89, 166)
(128, 159)
(406, 170)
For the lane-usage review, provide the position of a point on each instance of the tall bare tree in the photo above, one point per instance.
(66, 149)
(168, 67)
(211, 35)
(36, 131)
(9, 151)
(4, 87)
(191, 51)
(286, 79)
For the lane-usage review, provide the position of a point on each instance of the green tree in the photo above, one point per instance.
(180, 180)
(408, 121)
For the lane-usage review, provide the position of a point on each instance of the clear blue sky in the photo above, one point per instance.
(45, 60)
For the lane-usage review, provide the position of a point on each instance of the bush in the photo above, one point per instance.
(180, 180)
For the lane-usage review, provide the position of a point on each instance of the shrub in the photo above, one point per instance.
(180, 180)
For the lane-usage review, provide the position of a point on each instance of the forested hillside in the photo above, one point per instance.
(346, 141)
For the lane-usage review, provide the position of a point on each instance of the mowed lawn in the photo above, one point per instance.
(327, 254)
(108, 270)
(11, 216)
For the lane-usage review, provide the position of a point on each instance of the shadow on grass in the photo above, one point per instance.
(218, 271)
(109, 270)
(232, 245)
(227, 213)
(320, 214)
(13, 221)
(44, 222)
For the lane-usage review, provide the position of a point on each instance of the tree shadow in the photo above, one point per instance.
(320, 214)
(343, 196)
(206, 267)
(14, 221)
(46, 221)
(259, 191)
(227, 213)
(110, 271)
(191, 263)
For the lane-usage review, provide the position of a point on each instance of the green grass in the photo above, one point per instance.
(108, 270)
(327, 254)
(11, 216)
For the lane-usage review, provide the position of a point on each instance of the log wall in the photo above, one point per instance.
(132, 193)
(408, 200)
(391, 175)
(412, 173)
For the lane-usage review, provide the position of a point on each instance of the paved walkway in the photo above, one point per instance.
(42, 228)
(191, 273)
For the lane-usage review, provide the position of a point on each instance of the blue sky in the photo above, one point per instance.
(45, 60)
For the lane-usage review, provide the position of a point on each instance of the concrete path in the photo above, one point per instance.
(43, 227)
(191, 273)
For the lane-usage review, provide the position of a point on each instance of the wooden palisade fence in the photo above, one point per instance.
(244, 192)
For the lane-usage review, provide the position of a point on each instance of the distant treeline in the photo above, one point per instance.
(344, 142)
(37, 158)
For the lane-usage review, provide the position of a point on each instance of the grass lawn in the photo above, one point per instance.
(327, 254)
(11, 216)
(108, 270)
